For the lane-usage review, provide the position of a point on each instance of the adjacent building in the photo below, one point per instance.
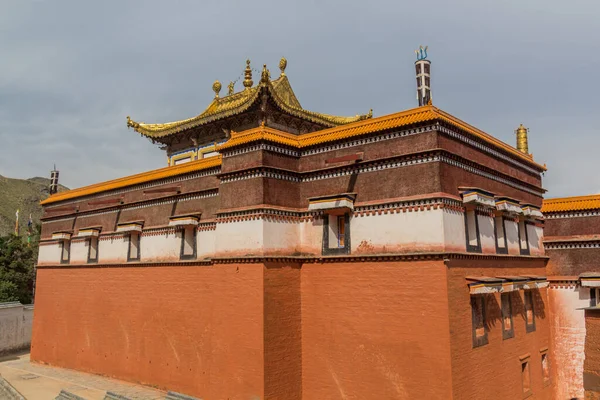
(572, 241)
(289, 254)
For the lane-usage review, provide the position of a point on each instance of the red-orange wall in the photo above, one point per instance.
(196, 330)
(493, 371)
(375, 330)
(591, 366)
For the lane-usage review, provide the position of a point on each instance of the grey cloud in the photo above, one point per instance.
(71, 71)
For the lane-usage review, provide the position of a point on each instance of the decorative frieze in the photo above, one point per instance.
(572, 245)
(573, 214)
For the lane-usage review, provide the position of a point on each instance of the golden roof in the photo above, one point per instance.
(397, 120)
(577, 203)
(279, 89)
(137, 179)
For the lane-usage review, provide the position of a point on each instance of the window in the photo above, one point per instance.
(427, 81)
(336, 234)
(526, 376)
(418, 68)
(65, 250)
(545, 368)
(500, 231)
(92, 249)
(188, 243)
(472, 231)
(529, 311)
(426, 68)
(593, 297)
(508, 330)
(418, 82)
(523, 239)
(133, 252)
(478, 319)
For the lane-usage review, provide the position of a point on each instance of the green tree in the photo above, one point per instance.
(17, 261)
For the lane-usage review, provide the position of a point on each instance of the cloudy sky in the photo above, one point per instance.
(71, 71)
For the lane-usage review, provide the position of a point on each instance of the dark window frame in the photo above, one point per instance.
(472, 248)
(90, 240)
(481, 340)
(524, 251)
(139, 247)
(507, 333)
(525, 363)
(544, 356)
(529, 327)
(326, 250)
(64, 243)
(501, 250)
(183, 231)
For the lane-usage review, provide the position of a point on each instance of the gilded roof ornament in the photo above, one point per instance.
(282, 65)
(522, 142)
(131, 123)
(248, 76)
(265, 76)
(421, 53)
(216, 87)
(230, 88)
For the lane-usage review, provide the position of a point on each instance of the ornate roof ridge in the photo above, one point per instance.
(573, 203)
(156, 174)
(236, 103)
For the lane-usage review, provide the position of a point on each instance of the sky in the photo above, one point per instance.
(71, 71)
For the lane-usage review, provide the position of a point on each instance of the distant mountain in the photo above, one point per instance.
(24, 195)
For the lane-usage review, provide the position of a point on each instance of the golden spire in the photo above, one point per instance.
(282, 65)
(248, 76)
(216, 88)
(265, 75)
(522, 144)
(230, 88)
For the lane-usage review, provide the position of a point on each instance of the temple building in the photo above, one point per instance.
(572, 241)
(288, 254)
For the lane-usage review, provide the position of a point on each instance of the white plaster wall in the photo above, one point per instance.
(239, 238)
(567, 327)
(535, 235)
(281, 236)
(205, 246)
(512, 237)
(160, 247)
(79, 252)
(454, 230)
(403, 231)
(487, 236)
(311, 236)
(15, 326)
(49, 254)
(113, 249)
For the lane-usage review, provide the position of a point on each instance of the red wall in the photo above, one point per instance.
(591, 366)
(375, 330)
(196, 330)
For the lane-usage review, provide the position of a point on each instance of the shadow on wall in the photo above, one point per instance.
(539, 306)
(493, 313)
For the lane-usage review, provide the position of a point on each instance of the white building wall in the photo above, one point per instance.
(311, 235)
(160, 246)
(281, 236)
(205, 246)
(487, 236)
(112, 249)
(512, 237)
(454, 230)
(79, 252)
(49, 254)
(240, 237)
(535, 235)
(15, 326)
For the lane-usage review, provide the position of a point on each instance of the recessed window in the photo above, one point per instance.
(508, 330)
(478, 320)
(427, 81)
(545, 368)
(133, 252)
(418, 82)
(426, 68)
(500, 233)
(523, 238)
(93, 249)
(65, 251)
(188, 243)
(472, 231)
(418, 68)
(526, 377)
(593, 297)
(336, 234)
(529, 311)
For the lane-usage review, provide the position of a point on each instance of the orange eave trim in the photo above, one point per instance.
(576, 203)
(144, 177)
(396, 120)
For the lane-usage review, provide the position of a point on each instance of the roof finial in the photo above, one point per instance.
(248, 76)
(522, 144)
(216, 88)
(265, 75)
(230, 88)
(282, 65)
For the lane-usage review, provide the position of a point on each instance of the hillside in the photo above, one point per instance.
(24, 195)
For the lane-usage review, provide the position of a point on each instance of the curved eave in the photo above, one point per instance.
(247, 99)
